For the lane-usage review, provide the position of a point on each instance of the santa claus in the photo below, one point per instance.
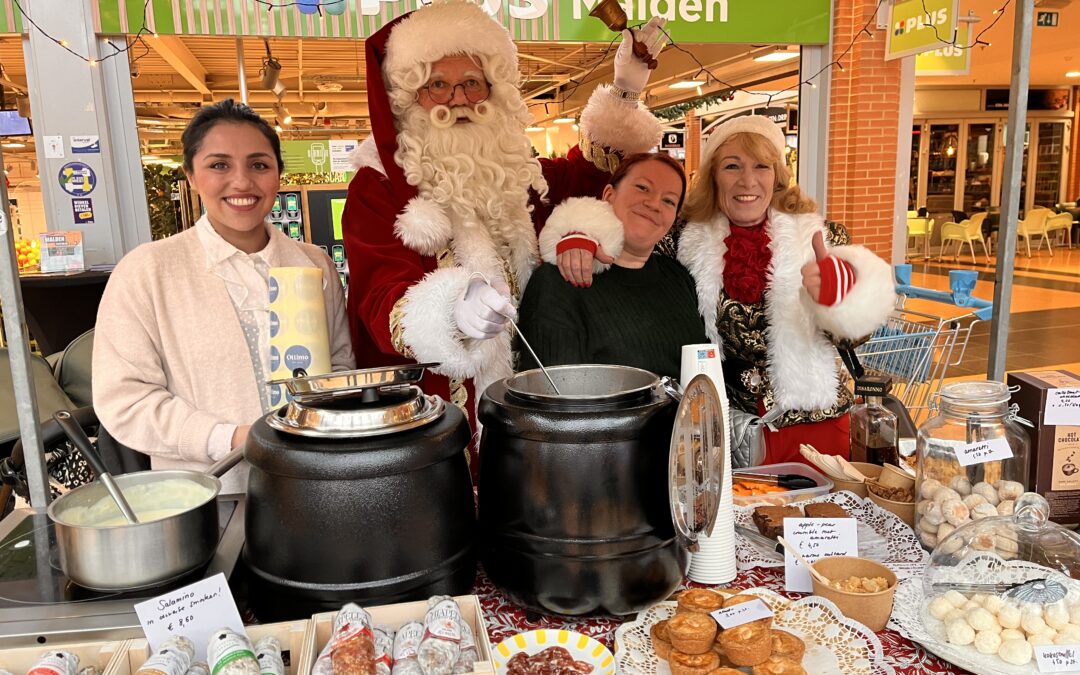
(441, 220)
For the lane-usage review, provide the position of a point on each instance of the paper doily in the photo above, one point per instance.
(834, 643)
(883, 537)
(909, 620)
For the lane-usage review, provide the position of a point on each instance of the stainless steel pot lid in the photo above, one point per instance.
(696, 461)
(352, 418)
(364, 383)
(583, 384)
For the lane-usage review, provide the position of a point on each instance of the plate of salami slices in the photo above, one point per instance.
(552, 652)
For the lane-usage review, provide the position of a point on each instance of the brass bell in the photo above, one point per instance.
(611, 13)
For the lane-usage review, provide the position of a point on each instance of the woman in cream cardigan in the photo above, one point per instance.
(778, 289)
(181, 346)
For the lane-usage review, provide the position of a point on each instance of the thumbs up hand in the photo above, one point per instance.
(811, 272)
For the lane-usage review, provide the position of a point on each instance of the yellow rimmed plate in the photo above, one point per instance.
(581, 647)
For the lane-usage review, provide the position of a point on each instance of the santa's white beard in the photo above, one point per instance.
(480, 170)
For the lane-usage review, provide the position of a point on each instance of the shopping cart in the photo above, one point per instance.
(915, 348)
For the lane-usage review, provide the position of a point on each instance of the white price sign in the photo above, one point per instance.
(1057, 658)
(744, 612)
(195, 611)
(816, 538)
(907, 570)
(1062, 407)
(981, 452)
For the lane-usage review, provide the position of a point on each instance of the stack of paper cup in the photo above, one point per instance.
(299, 337)
(714, 562)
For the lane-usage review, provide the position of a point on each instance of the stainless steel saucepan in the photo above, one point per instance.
(131, 556)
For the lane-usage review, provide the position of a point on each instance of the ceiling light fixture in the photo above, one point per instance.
(564, 120)
(777, 55)
(14, 145)
(1073, 73)
(282, 113)
(271, 70)
(534, 129)
(687, 84)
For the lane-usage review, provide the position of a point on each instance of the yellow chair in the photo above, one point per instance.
(1034, 225)
(921, 227)
(1060, 222)
(965, 232)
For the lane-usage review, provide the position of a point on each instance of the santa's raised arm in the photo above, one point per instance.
(442, 216)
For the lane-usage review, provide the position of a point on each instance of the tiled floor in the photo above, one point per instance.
(1044, 324)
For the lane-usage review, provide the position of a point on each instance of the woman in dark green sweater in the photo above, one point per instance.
(641, 310)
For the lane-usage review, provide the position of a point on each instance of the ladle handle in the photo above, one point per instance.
(79, 439)
(235, 456)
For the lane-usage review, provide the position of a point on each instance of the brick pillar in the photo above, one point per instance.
(1072, 190)
(863, 111)
(692, 139)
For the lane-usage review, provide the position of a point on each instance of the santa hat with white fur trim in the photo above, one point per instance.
(745, 124)
(444, 28)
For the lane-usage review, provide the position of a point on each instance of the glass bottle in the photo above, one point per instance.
(872, 433)
(972, 460)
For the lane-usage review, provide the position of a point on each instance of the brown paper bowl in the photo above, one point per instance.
(859, 488)
(894, 476)
(869, 609)
(905, 511)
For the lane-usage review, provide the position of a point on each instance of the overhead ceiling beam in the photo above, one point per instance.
(181, 60)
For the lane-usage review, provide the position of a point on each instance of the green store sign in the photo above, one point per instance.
(917, 26)
(689, 21)
(947, 59)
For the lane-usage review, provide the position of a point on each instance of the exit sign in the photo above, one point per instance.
(1046, 19)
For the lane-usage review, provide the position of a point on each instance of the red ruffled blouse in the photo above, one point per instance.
(746, 263)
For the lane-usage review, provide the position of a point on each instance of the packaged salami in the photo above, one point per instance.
(384, 650)
(90, 670)
(351, 649)
(268, 654)
(406, 643)
(467, 658)
(198, 668)
(231, 653)
(174, 657)
(441, 645)
(56, 663)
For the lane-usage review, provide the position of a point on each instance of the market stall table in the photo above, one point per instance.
(505, 618)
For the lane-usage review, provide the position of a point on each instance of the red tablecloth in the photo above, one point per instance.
(504, 619)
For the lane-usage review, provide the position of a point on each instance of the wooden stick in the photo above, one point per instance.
(850, 470)
(810, 568)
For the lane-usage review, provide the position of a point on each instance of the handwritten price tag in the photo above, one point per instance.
(907, 570)
(1062, 407)
(816, 538)
(981, 452)
(745, 612)
(1057, 658)
(194, 611)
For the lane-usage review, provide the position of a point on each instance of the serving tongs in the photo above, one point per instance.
(789, 481)
(1032, 590)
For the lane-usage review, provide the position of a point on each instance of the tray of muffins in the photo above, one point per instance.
(809, 635)
(883, 537)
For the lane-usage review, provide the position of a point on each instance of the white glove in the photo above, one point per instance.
(482, 312)
(631, 73)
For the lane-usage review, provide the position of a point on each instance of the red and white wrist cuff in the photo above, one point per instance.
(837, 278)
(576, 240)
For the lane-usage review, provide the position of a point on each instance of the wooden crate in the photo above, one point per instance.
(295, 638)
(101, 655)
(394, 616)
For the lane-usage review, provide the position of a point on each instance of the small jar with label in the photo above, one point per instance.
(972, 460)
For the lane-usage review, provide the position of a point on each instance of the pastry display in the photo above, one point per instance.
(679, 640)
(770, 519)
(895, 494)
(700, 600)
(691, 633)
(825, 510)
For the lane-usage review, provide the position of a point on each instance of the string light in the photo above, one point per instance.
(129, 43)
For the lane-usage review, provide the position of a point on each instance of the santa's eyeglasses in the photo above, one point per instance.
(441, 92)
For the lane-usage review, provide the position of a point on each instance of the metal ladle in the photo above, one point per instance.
(79, 439)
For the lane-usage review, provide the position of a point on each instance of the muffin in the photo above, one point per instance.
(691, 633)
(700, 600)
(724, 671)
(659, 634)
(739, 599)
(693, 664)
(747, 645)
(779, 665)
(787, 645)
